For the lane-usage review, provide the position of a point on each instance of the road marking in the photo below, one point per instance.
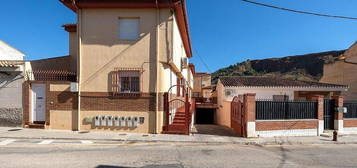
(45, 142)
(86, 142)
(6, 142)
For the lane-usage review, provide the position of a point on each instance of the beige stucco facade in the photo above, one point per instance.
(157, 53)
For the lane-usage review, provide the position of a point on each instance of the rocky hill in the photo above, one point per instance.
(307, 67)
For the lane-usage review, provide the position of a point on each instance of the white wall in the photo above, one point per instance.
(261, 93)
(9, 53)
(178, 49)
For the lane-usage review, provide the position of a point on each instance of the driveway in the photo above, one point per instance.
(214, 130)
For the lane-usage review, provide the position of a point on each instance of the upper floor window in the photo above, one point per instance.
(129, 28)
(126, 82)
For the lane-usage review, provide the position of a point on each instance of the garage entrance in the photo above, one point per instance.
(205, 116)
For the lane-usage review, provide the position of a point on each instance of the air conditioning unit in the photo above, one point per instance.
(230, 92)
(184, 63)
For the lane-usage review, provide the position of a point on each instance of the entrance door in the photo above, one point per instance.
(38, 103)
(329, 114)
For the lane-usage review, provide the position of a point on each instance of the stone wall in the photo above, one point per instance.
(10, 116)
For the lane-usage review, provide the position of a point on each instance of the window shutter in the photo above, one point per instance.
(128, 28)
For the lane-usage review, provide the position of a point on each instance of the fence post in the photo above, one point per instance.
(320, 112)
(166, 111)
(249, 111)
(187, 112)
(338, 123)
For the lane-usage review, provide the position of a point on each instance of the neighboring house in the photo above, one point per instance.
(202, 85)
(124, 56)
(267, 88)
(343, 72)
(11, 79)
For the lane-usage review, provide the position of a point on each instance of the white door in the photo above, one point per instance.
(38, 102)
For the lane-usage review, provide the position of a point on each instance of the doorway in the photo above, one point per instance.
(205, 116)
(38, 103)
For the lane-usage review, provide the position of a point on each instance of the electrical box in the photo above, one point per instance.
(74, 87)
(110, 121)
(129, 121)
(122, 121)
(97, 120)
(135, 121)
(103, 121)
(116, 121)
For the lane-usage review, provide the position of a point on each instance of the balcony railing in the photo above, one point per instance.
(51, 75)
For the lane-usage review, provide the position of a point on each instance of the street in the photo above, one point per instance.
(65, 153)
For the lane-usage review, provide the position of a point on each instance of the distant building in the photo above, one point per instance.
(202, 86)
(11, 79)
(344, 72)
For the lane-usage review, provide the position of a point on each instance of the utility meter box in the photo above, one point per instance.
(74, 87)
(135, 121)
(103, 121)
(122, 121)
(110, 121)
(129, 121)
(116, 121)
(97, 121)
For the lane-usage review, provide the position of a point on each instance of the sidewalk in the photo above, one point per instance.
(24, 133)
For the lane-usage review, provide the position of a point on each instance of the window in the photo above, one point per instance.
(129, 28)
(126, 82)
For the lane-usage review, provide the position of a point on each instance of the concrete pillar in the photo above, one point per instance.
(320, 112)
(249, 114)
(338, 123)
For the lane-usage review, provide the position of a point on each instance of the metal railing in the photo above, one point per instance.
(285, 110)
(351, 109)
(51, 75)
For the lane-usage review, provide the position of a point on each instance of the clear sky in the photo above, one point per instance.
(223, 32)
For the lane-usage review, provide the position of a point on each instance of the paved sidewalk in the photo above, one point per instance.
(25, 133)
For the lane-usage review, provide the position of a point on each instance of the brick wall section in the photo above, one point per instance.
(92, 101)
(26, 102)
(249, 110)
(339, 103)
(285, 125)
(350, 123)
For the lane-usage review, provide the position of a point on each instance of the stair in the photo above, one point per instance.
(35, 126)
(178, 125)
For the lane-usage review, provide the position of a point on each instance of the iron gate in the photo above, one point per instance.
(329, 114)
(237, 116)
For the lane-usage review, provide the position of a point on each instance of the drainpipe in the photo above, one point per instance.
(157, 64)
(79, 32)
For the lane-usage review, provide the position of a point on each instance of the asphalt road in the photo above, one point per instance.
(55, 153)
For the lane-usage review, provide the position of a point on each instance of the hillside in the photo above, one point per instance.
(307, 67)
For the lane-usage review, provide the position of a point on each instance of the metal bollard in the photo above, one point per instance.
(335, 135)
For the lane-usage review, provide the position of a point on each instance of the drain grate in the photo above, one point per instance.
(14, 129)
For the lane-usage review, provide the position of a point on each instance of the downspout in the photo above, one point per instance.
(157, 64)
(79, 32)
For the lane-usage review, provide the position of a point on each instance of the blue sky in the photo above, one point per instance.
(222, 33)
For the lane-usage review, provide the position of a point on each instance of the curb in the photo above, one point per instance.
(254, 143)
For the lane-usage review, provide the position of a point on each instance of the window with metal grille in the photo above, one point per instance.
(126, 82)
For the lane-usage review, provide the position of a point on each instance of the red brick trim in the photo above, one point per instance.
(104, 101)
(285, 125)
(350, 123)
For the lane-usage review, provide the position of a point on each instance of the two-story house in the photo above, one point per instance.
(125, 55)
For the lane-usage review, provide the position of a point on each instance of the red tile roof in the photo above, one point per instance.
(10, 63)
